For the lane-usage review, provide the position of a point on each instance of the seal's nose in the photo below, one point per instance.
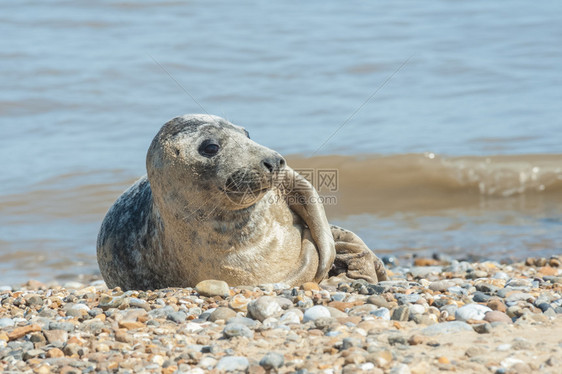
(274, 163)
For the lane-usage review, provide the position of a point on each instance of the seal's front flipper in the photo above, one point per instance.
(303, 199)
(354, 258)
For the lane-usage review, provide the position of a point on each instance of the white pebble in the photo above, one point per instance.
(503, 347)
(291, 317)
(367, 366)
(471, 311)
(317, 311)
(192, 327)
(417, 309)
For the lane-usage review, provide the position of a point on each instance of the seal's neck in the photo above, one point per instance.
(208, 224)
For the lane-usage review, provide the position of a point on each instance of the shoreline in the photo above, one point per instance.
(457, 316)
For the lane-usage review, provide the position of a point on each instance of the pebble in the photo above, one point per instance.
(177, 317)
(6, 322)
(416, 309)
(233, 363)
(382, 313)
(316, 312)
(496, 304)
(471, 312)
(441, 285)
(379, 301)
(483, 328)
(272, 361)
(264, 307)
(212, 288)
(337, 326)
(237, 329)
(56, 337)
(293, 316)
(480, 297)
(402, 313)
(222, 313)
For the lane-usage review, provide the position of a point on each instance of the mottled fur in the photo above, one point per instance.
(191, 218)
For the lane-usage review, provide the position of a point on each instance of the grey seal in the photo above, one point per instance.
(217, 205)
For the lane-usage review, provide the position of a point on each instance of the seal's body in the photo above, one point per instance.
(216, 205)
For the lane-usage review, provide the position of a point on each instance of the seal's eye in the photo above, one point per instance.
(209, 148)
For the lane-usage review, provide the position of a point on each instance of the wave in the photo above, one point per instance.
(429, 181)
(363, 184)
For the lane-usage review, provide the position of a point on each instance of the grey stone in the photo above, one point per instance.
(402, 313)
(34, 300)
(480, 297)
(233, 363)
(163, 312)
(457, 290)
(264, 307)
(351, 342)
(397, 339)
(272, 360)
(139, 303)
(237, 329)
(382, 313)
(483, 328)
(222, 313)
(95, 312)
(32, 353)
(177, 317)
(324, 323)
(487, 288)
(441, 285)
(404, 299)
(338, 296)
(511, 299)
(66, 326)
(6, 322)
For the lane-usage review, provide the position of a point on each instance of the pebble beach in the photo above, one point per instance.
(431, 316)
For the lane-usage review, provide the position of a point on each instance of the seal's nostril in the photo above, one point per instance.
(268, 166)
(281, 163)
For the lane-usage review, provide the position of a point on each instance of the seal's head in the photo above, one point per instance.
(203, 159)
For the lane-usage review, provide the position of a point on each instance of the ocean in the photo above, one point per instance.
(441, 120)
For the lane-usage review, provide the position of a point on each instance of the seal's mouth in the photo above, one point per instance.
(241, 192)
(246, 186)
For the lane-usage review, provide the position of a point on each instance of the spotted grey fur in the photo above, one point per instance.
(191, 218)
